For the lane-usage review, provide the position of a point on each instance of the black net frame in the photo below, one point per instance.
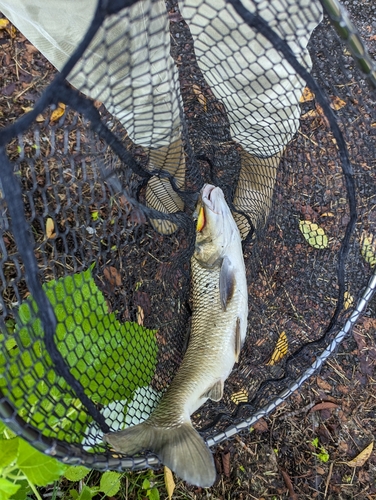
(220, 421)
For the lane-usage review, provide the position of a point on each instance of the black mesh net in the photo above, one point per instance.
(99, 182)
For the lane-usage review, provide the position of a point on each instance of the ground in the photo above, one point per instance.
(306, 447)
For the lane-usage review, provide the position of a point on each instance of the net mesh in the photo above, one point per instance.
(99, 183)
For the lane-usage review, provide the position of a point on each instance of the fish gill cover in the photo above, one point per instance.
(102, 164)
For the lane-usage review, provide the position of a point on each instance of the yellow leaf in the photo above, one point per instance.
(368, 248)
(337, 103)
(169, 482)
(26, 109)
(4, 23)
(362, 458)
(280, 350)
(58, 112)
(240, 397)
(310, 114)
(39, 118)
(327, 214)
(307, 95)
(200, 96)
(348, 300)
(313, 234)
(50, 228)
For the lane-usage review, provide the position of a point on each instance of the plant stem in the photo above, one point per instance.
(35, 491)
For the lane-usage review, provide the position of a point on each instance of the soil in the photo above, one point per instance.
(305, 447)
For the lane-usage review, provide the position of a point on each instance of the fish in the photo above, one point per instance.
(218, 329)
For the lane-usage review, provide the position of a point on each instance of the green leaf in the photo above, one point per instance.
(86, 494)
(37, 467)
(110, 483)
(315, 442)
(8, 451)
(145, 484)
(24, 490)
(7, 489)
(153, 494)
(76, 473)
(110, 359)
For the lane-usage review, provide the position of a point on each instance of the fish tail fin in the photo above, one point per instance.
(181, 448)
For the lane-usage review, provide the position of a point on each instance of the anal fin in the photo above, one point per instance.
(215, 393)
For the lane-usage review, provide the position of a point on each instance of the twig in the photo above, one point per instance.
(328, 479)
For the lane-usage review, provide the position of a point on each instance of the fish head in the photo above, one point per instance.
(215, 229)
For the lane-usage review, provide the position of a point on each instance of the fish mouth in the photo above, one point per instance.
(207, 197)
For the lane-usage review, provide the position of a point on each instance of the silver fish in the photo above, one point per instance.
(219, 323)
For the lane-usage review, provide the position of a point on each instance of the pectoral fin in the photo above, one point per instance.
(215, 393)
(226, 282)
(238, 340)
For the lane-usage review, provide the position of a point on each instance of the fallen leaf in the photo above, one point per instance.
(4, 23)
(112, 275)
(348, 300)
(362, 458)
(140, 316)
(226, 464)
(240, 397)
(58, 112)
(368, 248)
(261, 425)
(200, 96)
(280, 350)
(307, 95)
(40, 118)
(337, 103)
(312, 113)
(26, 109)
(313, 234)
(289, 485)
(323, 384)
(169, 482)
(323, 406)
(50, 228)
(327, 214)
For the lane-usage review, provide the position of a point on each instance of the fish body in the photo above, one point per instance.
(219, 322)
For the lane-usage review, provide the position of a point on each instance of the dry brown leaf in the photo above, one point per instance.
(280, 350)
(337, 103)
(200, 96)
(307, 95)
(58, 112)
(325, 405)
(323, 384)
(50, 228)
(261, 425)
(112, 275)
(169, 482)
(362, 458)
(140, 316)
(226, 464)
